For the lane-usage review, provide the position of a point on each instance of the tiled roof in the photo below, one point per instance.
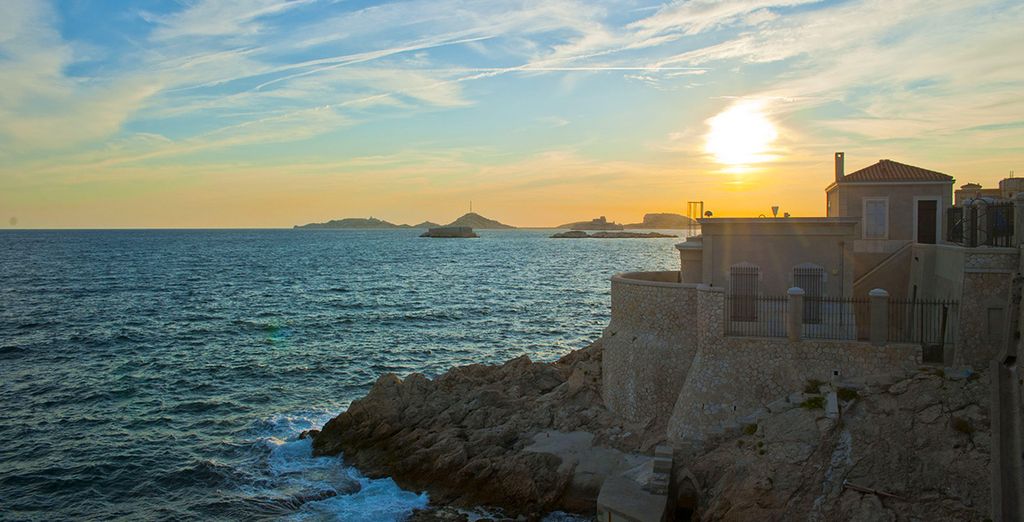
(888, 170)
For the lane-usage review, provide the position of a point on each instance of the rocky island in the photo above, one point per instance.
(579, 234)
(471, 220)
(663, 221)
(600, 223)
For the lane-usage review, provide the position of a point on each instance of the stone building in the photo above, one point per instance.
(762, 305)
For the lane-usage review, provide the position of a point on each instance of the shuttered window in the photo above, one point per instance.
(876, 218)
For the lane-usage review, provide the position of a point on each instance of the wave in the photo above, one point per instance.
(295, 485)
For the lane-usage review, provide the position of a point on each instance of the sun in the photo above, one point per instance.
(741, 134)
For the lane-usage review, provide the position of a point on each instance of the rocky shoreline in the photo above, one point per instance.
(531, 438)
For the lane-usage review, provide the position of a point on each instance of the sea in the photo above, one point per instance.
(167, 374)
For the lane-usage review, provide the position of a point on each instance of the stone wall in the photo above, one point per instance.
(734, 377)
(984, 304)
(648, 345)
(667, 362)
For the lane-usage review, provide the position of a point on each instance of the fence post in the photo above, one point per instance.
(795, 314)
(879, 316)
(1018, 220)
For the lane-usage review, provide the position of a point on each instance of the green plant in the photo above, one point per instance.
(750, 429)
(847, 394)
(962, 425)
(813, 386)
(760, 452)
(814, 403)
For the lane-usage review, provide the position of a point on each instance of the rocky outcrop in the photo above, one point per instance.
(482, 435)
(531, 438)
(916, 450)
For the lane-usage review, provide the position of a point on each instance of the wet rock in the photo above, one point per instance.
(309, 434)
(463, 436)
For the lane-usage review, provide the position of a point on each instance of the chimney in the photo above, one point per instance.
(839, 167)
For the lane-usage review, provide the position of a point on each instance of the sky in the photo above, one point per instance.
(270, 113)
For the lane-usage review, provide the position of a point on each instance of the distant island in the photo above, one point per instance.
(472, 220)
(656, 220)
(600, 223)
(663, 220)
(579, 234)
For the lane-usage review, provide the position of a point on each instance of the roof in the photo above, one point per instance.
(893, 171)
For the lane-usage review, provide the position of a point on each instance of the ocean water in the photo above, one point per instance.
(167, 374)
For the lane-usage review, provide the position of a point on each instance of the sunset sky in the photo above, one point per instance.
(269, 113)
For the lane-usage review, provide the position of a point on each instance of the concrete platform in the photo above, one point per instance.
(624, 500)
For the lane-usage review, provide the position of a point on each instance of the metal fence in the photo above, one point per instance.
(836, 318)
(999, 225)
(755, 316)
(925, 322)
(972, 228)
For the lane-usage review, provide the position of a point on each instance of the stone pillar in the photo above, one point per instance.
(1018, 219)
(879, 316)
(795, 314)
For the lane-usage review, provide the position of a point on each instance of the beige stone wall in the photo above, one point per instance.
(984, 304)
(776, 246)
(648, 345)
(734, 377)
(901, 203)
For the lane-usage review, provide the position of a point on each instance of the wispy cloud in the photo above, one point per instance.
(203, 79)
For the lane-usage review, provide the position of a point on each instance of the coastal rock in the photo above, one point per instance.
(466, 436)
(309, 434)
(449, 232)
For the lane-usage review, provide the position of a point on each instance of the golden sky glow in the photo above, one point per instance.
(269, 113)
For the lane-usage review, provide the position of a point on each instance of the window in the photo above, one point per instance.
(743, 279)
(876, 218)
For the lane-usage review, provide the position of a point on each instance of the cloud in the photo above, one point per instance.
(41, 106)
(205, 18)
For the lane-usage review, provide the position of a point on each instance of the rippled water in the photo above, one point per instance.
(167, 374)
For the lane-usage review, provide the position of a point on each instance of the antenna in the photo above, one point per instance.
(471, 205)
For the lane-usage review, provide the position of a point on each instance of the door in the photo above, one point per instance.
(926, 222)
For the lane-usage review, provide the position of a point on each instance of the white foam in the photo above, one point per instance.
(293, 469)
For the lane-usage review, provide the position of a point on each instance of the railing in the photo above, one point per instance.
(755, 316)
(925, 322)
(999, 225)
(981, 225)
(836, 318)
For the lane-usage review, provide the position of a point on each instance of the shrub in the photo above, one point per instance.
(814, 403)
(847, 394)
(750, 429)
(813, 386)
